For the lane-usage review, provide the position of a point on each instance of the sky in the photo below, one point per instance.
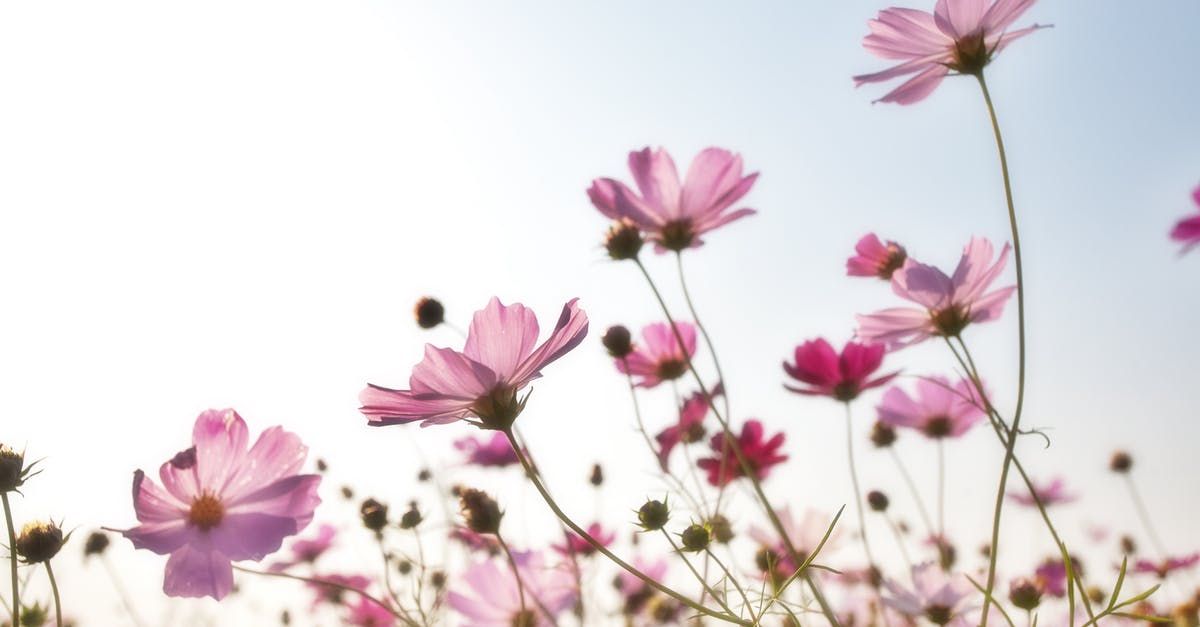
(236, 204)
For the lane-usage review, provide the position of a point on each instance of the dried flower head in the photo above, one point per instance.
(39, 541)
(480, 512)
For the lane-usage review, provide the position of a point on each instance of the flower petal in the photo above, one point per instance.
(195, 573)
(657, 179)
(501, 337)
(569, 331)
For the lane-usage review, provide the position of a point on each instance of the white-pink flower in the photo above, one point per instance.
(492, 598)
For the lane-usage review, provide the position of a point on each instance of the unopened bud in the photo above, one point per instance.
(722, 531)
(623, 241)
(1025, 594)
(347, 492)
(429, 313)
(597, 476)
(39, 541)
(12, 469)
(877, 500)
(411, 518)
(618, 341)
(695, 538)
(653, 515)
(1128, 546)
(480, 512)
(882, 435)
(437, 579)
(374, 515)
(95, 544)
(1121, 462)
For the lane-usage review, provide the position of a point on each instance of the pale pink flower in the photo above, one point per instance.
(491, 597)
(1052, 493)
(939, 410)
(1167, 566)
(690, 427)
(804, 533)
(841, 377)
(1051, 576)
(875, 258)
(659, 357)
(580, 547)
(761, 454)
(960, 36)
(306, 551)
(1187, 230)
(335, 595)
(635, 592)
(483, 380)
(939, 597)
(494, 451)
(223, 501)
(948, 303)
(675, 215)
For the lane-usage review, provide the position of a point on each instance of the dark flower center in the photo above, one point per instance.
(207, 511)
(950, 321)
(893, 262)
(524, 618)
(671, 369)
(693, 433)
(677, 235)
(938, 614)
(845, 391)
(499, 408)
(938, 427)
(971, 54)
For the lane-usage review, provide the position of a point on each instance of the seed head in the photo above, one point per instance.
(39, 541)
(374, 515)
(480, 512)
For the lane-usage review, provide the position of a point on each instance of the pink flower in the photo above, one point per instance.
(1187, 230)
(805, 535)
(1049, 494)
(579, 546)
(960, 35)
(476, 541)
(761, 454)
(659, 358)
(307, 551)
(635, 592)
(948, 304)
(690, 427)
(939, 410)
(875, 258)
(494, 451)
(1051, 576)
(335, 595)
(222, 502)
(1164, 568)
(841, 377)
(674, 215)
(367, 613)
(939, 597)
(493, 599)
(483, 380)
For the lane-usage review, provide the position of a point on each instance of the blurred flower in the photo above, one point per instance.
(494, 451)
(1052, 493)
(1187, 230)
(689, 428)
(306, 551)
(1051, 576)
(334, 595)
(875, 258)
(960, 36)
(659, 358)
(222, 502)
(96, 544)
(841, 377)
(805, 534)
(939, 410)
(948, 304)
(936, 596)
(634, 591)
(476, 541)
(1165, 567)
(483, 380)
(578, 546)
(490, 596)
(761, 454)
(367, 613)
(676, 216)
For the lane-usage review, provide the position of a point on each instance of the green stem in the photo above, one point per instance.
(344, 588)
(733, 580)
(912, 488)
(1016, 421)
(58, 621)
(12, 554)
(1144, 515)
(941, 460)
(706, 589)
(512, 563)
(862, 520)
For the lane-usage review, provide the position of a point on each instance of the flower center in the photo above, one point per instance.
(971, 54)
(207, 511)
(893, 262)
(671, 369)
(499, 408)
(524, 618)
(845, 391)
(950, 321)
(938, 614)
(677, 235)
(693, 433)
(938, 427)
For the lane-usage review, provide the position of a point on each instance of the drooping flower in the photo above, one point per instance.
(222, 502)
(659, 357)
(948, 303)
(498, 360)
(491, 596)
(1187, 230)
(939, 410)
(494, 451)
(675, 215)
(841, 377)
(805, 535)
(306, 551)
(937, 596)
(960, 36)
(1167, 566)
(875, 258)
(1052, 493)
(761, 454)
(689, 428)
(579, 547)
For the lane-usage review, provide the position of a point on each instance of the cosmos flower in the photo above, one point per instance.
(1052, 493)
(948, 303)
(367, 613)
(222, 502)
(675, 215)
(875, 258)
(1187, 230)
(659, 357)
(761, 455)
(635, 593)
(334, 595)
(494, 451)
(306, 551)
(804, 533)
(580, 547)
(936, 596)
(689, 428)
(489, 595)
(1051, 576)
(482, 381)
(960, 36)
(939, 410)
(1165, 567)
(841, 377)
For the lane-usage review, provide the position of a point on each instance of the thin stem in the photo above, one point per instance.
(419, 593)
(400, 614)
(899, 542)
(58, 621)
(736, 585)
(912, 488)
(1016, 421)
(941, 462)
(387, 569)
(121, 592)
(512, 563)
(706, 588)
(600, 548)
(12, 554)
(1144, 515)
(862, 520)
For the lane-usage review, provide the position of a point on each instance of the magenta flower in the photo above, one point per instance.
(494, 451)
(805, 535)
(483, 380)
(761, 455)
(1187, 230)
(841, 377)
(948, 303)
(222, 502)
(960, 36)
(368, 613)
(659, 358)
(493, 599)
(689, 428)
(1165, 567)
(936, 596)
(875, 258)
(1052, 493)
(674, 215)
(940, 410)
(580, 547)
(1051, 577)
(307, 551)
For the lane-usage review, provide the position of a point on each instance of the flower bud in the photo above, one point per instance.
(405, 567)
(722, 531)
(623, 241)
(39, 542)
(653, 515)
(618, 341)
(429, 313)
(695, 538)
(322, 466)
(1025, 594)
(374, 515)
(877, 500)
(480, 512)
(597, 476)
(437, 579)
(882, 435)
(1128, 546)
(1121, 462)
(347, 492)
(424, 475)
(96, 544)
(12, 469)
(411, 518)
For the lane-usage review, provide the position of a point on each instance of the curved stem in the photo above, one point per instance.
(58, 621)
(733, 580)
(512, 563)
(705, 587)
(912, 488)
(600, 548)
(400, 614)
(1016, 421)
(12, 554)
